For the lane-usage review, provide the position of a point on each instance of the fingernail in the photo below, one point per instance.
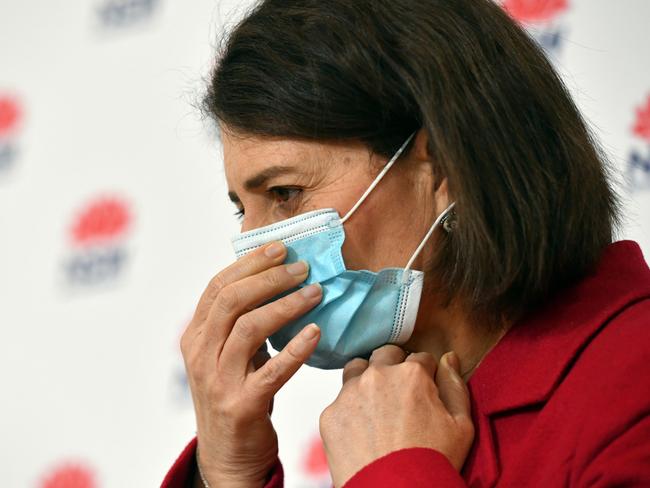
(311, 291)
(274, 250)
(309, 332)
(297, 269)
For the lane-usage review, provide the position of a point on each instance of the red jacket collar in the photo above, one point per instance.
(528, 362)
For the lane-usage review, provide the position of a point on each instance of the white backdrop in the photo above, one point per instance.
(114, 216)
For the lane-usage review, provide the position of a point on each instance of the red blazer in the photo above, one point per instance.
(562, 400)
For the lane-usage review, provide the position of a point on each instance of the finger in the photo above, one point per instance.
(280, 368)
(253, 328)
(255, 262)
(451, 388)
(387, 355)
(244, 295)
(427, 360)
(354, 368)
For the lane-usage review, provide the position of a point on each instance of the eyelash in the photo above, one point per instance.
(279, 193)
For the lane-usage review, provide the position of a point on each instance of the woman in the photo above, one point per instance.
(524, 361)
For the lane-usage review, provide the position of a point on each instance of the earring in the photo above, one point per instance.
(449, 222)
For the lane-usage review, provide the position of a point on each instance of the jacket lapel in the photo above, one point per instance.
(530, 361)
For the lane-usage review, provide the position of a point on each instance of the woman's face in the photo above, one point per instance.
(271, 179)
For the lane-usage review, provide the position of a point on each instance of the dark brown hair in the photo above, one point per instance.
(534, 206)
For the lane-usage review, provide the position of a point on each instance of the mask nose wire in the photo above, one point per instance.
(436, 223)
(377, 179)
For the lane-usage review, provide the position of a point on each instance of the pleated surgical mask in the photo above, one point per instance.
(360, 310)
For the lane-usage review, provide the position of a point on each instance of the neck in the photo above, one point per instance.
(441, 329)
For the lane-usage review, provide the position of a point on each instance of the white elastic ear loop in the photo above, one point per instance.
(442, 215)
(377, 179)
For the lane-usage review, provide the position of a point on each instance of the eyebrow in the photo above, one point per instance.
(262, 177)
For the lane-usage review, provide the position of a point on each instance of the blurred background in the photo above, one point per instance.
(114, 217)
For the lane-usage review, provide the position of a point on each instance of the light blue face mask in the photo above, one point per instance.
(360, 310)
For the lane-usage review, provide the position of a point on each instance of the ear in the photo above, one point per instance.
(419, 150)
(442, 197)
(420, 153)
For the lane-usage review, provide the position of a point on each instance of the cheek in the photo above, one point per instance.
(353, 252)
(373, 245)
(383, 234)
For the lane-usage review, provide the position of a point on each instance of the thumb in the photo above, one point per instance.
(452, 389)
(261, 357)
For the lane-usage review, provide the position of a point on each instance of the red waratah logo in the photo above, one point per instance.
(103, 220)
(9, 115)
(99, 249)
(70, 476)
(534, 10)
(642, 125)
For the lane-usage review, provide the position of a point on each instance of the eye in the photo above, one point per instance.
(239, 213)
(284, 194)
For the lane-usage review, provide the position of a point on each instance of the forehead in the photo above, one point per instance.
(246, 155)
